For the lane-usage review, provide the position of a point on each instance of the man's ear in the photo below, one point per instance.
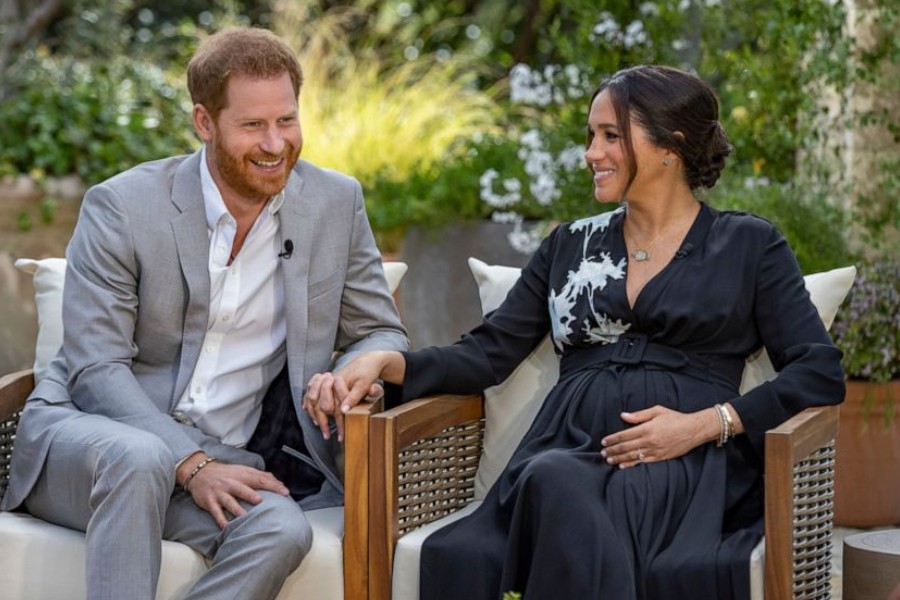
(203, 122)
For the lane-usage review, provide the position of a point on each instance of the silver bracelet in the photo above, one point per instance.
(726, 424)
(196, 470)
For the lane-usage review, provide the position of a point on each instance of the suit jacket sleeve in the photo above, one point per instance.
(369, 318)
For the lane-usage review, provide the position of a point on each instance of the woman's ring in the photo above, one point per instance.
(640, 455)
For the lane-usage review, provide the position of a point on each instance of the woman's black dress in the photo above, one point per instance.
(562, 523)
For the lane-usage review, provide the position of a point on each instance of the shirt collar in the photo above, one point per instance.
(212, 197)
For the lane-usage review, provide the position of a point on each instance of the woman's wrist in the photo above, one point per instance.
(394, 367)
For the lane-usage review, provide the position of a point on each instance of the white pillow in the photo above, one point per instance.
(394, 272)
(826, 290)
(49, 277)
(511, 406)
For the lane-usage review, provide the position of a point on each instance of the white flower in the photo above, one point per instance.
(512, 185)
(525, 239)
(531, 139)
(634, 34)
(571, 158)
(606, 27)
(491, 198)
(505, 217)
(528, 87)
(649, 9)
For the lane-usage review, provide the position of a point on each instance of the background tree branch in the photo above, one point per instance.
(20, 22)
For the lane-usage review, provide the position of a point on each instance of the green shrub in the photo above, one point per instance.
(92, 118)
(867, 326)
(814, 227)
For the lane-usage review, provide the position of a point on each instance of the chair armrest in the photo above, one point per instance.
(14, 390)
(356, 497)
(423, 458)
(799, 489)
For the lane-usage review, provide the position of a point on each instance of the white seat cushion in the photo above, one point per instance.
(511, 406)
(42, 561)
(409, 549)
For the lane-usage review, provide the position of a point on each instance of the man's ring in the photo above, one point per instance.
(640, 455)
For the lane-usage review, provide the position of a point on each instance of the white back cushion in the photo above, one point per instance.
(511, 406)
(48, 278)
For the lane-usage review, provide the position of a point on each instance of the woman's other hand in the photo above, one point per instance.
(658, 434)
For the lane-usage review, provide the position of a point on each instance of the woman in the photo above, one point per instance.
(641, 477)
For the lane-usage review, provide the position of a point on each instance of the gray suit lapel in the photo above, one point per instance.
(294, 226)
(192, 243)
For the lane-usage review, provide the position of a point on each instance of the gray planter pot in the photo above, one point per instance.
(438, 296)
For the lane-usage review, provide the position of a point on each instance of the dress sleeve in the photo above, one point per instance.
(488, 354)
(808, 363)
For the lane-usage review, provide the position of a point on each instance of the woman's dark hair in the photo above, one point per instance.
(679, 112)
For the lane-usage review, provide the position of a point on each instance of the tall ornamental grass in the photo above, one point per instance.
(376, 120)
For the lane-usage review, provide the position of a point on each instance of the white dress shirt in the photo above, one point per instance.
(244, 346)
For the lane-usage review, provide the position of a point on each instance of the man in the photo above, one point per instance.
(201, 293)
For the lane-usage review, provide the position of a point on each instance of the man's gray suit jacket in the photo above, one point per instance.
(136, 304)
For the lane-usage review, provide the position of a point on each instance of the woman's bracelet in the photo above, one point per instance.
(196, 470)
(726, 424)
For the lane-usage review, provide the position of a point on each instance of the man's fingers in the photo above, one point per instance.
(326, 393)
(217, 513)
(321, 420)
(270, 483)
(312, 388)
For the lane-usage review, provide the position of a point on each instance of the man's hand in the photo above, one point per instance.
(219, 487)
(321, 401)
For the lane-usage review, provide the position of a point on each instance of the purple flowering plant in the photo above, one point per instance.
(867, 326)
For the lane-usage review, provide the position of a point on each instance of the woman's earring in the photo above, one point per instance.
(667, 162)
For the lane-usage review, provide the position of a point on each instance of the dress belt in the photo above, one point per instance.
(637, 349)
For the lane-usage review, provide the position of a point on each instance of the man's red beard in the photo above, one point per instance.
(240, 175)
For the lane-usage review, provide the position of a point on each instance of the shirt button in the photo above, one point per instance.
(198, 389)
(226, 318)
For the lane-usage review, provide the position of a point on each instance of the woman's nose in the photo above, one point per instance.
(593, 153)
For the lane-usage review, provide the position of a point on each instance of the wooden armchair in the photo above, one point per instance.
(424, 455)
(25, 566)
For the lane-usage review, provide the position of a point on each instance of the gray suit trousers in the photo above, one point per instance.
(116, 482)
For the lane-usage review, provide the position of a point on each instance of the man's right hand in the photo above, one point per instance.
(219, 487)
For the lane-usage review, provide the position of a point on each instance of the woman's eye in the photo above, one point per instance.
(611, 137)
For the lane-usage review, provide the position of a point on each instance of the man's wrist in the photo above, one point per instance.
(195, 471)
(187, 466)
